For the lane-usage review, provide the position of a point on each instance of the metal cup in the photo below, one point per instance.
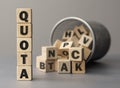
(99, 33)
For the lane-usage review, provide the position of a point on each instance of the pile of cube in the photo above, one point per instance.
(68, 54)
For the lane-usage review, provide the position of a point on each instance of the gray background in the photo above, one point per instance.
(45, 14)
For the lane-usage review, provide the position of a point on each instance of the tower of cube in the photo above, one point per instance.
(24, 43)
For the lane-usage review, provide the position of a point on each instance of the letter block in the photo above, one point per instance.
(64, 48)
(57, 44)
(64, 66)
(76, 54)
(49, 52)
(24, 58)
(86, 51)
(80, 30)
(46, 65)
(24, 45)
(24, 73)
(24, 15)
(67, 34)
(66, 44)
(75, 40)
(78, 66)
(85, 40)
(24, 30)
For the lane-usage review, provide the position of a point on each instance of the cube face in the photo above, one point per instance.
(49, 52)
(67, 34)
(80, 30)
(86, 51)
(56, 65)
(46, 65)
(24, 73)
(64, 66)
(64, 53)
(24, 30)
(75, 40)
(85, 40)
(66, 44)
(50, 66)
(76, 54)
(24, 45)
(57, 43)
(78, 67)
(24, 58)
(24, 15)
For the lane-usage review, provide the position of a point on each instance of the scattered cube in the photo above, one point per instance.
(64, 66)
(85, 40)
(49, 52)
(57, 44)
(46, 65)
(66, 44)
(76, 54)
(75, 40)
(67, 34)
(86, 51)
(78, 66)
(80, 30)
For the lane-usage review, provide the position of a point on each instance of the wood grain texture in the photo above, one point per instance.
(24, 72)
(24, 44)
(78, 67)
(24, 30)
(80, 30)
(64, 66)
(76, 54)
(24, 58)
(85, 40)
(24, 15)
(49, 52)
(67, 34)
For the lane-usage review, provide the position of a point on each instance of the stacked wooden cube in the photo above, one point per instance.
(24, 43)
(68, 55)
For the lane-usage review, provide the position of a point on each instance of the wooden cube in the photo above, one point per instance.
(57, 44)
(24, 15)
(24, 30)
(46, 65)
(66, 44)
(24, 72)
(85, 40)
(64, 53)
(24, 45)
(75, 40)
(76, 54)
(24, 58)
(78, 67)
(86, 51)
(67, 34)
(49, 52)
(80, 30)
(64, 66)
(56, 65)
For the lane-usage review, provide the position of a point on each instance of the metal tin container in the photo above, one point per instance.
(99, 33)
